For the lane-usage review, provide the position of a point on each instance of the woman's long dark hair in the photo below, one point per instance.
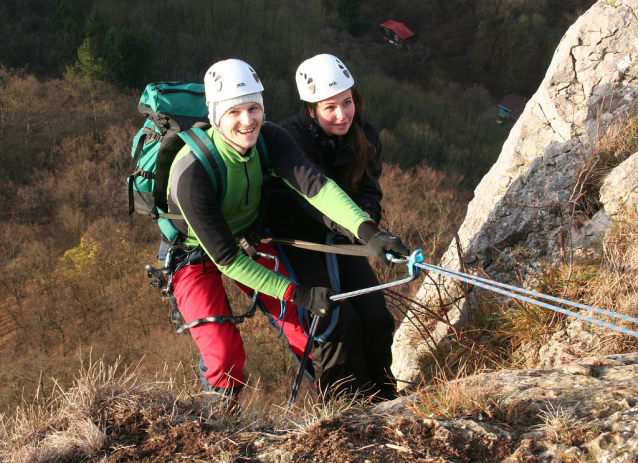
(353, 172)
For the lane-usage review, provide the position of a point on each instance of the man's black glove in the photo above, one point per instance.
(317, 299)
(381, 243)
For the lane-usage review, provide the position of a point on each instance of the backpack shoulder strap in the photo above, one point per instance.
(204, 149)
(264, 160)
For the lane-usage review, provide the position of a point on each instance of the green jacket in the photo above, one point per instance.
(215, 226)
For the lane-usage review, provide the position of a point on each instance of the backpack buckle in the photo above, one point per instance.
(247, 244)
(248, 249)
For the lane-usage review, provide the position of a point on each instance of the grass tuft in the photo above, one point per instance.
(473, 397)
(329, 405)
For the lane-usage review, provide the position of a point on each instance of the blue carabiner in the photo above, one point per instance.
(415, 258)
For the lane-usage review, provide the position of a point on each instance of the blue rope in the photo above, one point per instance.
(541, 295)
(302, 312)
(415, 265)
(412, 262)
(492, 287)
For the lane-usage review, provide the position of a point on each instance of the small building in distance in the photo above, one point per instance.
(512, 106)
(398, 34)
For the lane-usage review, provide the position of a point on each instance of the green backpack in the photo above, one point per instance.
(176, 114)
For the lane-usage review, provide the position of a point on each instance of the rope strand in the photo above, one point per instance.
(493, 286)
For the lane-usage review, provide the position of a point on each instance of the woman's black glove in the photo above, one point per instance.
(382, 243)
(316, 300)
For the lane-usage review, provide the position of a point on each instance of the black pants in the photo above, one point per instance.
(357, 355)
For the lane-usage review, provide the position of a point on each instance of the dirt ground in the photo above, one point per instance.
(342, 440)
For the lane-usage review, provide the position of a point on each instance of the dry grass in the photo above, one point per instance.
(500, 330)
(608, 281)
(80, 422)
(107, 403)
(312, 412)
(473, 397)
(561, 426)
(556, 421)
(68, 424)
(618, 141)
(508, 333)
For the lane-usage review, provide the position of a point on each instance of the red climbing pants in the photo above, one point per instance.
(200, 293)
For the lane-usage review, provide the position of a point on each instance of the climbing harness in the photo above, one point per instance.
(163, 278)
(503, 288)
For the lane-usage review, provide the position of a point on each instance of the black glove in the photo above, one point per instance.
(381, 243)
(317, 299)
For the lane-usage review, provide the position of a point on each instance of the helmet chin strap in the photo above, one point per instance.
(230, 142)
(313, 115)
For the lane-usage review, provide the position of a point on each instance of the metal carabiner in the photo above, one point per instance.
(271, 257)
(415, 258)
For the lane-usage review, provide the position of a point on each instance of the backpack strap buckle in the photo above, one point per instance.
(152, 135)
(248, 248)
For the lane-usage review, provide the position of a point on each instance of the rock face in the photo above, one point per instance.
(588, 411)
(525, 202)
(620, 188)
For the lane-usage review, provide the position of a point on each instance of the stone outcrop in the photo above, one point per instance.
(522, 214)
(586, 411)
(620, 188)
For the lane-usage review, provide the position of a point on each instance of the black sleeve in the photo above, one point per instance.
(197, 200)
(289, 162)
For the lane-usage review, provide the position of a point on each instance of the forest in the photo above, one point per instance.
(72, 285)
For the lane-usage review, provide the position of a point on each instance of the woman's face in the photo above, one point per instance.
(335, 114)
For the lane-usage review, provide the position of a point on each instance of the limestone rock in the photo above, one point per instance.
(620, 188)
(585, 411)
(521, 215)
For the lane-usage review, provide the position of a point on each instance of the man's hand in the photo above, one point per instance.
(316, 300)
(382, 243)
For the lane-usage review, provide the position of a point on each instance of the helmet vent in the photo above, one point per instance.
(256, 77)
(346, 73)
(311, 88)
(218, 81)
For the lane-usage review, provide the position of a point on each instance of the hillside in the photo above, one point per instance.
(97, 374)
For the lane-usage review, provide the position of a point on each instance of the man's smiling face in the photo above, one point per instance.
(240, 126)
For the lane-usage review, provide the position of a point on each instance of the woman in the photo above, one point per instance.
(331, 128)
(207, 245)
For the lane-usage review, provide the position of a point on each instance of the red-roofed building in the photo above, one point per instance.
(398, 34)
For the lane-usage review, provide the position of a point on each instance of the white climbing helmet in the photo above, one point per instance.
(231, 82)
(322, 76)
